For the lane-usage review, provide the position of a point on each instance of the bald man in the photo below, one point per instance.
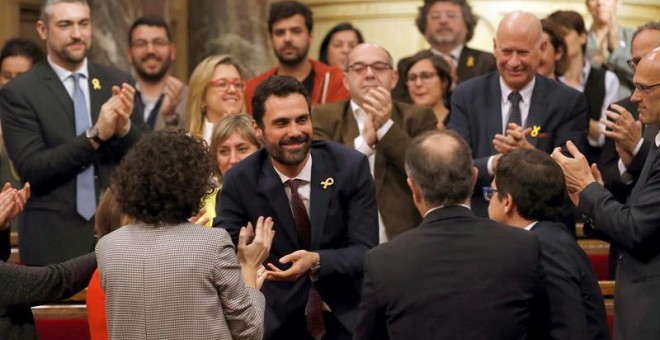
(635, 226)
(380, 128)
(514, 107)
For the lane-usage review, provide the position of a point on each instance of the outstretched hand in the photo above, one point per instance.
(253, 249)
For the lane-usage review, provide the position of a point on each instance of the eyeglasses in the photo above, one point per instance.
(633, 63)
(645, 88)
(158, 43)
(425, 77)
(361, 68)
(224, 84)
(488, 192)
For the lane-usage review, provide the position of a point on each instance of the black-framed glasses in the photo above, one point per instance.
(633, 63)
(488, 192)
(361, 68)
(425, 77)
(645, 88)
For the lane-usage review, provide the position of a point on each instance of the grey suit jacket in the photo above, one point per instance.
(39, 132)
(336, 122)
(635, 227)
(176, 282)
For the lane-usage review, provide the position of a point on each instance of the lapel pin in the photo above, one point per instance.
(96, 84)
(535, 130)
(328, 182)
(470, 61)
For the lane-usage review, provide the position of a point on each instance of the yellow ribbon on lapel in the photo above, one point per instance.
(328, 182)
(470, 61)
(96, 84)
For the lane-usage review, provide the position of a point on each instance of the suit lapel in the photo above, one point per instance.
(536, 118)
(274, 192)
(54, 84)
(380, 163)
(319, 198)
(98, 91)
(349, 130)
(494, 124)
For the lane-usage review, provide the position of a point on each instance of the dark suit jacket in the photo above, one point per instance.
(337, 123)
(343, 219)
(635, 227)
(39, 132)
(23, 287)
(577, 310)
(471, 63)
(455, 276)
(559, 111)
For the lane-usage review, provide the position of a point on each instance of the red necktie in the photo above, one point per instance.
(313, 309)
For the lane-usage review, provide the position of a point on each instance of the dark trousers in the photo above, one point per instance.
(295, 328)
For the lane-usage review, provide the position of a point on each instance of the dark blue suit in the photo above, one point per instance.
(577, 310)
(344, 225)
(558, 111)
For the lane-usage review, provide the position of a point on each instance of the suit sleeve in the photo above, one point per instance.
(361, 227)
(567, 314)
(395, 142)
(38, 285)
(609, 169)
(635, 227)
(229, 214)
(243, 306)
(459, 121)
(26, 144)
(371, 323)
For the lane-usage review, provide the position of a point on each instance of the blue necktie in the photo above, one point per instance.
(85, 191)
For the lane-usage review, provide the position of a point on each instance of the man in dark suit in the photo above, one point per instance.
(627, 142)
(528, 192)
(515, 108)
(448, 25)
(66, 123)
(323, 203)
(455, 276)
(379, 127)
(635, 226)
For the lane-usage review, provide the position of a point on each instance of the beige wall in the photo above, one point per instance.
(392, 23)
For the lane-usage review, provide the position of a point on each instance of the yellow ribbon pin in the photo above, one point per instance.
(535, 131)
(96, 84)
(328, 182)
(470, 62)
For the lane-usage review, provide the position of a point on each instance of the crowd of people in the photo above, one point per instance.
(342, 198)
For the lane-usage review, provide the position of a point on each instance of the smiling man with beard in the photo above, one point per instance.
(66, 123)
(323, 202)
(160, 97)
(379, 127)
(290, 25)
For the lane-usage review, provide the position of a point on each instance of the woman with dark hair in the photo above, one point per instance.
(428, 78)
(338, 42)
(165, 277)
(554, 60)
(18, 56)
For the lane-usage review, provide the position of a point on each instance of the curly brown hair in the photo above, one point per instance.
(164, 177)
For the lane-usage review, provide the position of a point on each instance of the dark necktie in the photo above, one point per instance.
(314, 307)
(85, 191)
(514, 113)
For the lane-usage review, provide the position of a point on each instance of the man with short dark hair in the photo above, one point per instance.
(290, 25)
(529, 192)
(514, 107)
(635, 225)
(66, 123)
(160, 97)
(322, 200)
(379, 127)
(448, 25)
(455, 275)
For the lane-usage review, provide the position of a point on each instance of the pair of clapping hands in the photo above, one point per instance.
(115, 116)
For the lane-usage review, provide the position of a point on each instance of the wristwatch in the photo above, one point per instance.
(314, 271)
(93, 134)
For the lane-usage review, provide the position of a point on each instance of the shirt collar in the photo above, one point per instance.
(304, 175)
(531, 225)
(455, 53)
(442, 206)
(525, 93)
(657, 140)
(63, 73)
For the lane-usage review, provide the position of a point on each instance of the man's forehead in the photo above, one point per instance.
(296, 20)
(68, 11)
(368, 54)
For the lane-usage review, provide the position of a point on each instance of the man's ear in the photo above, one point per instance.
(42, 29)
(417, 197)
(509, 206)
(257, 130)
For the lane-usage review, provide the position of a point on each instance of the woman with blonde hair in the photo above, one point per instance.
(233, 139)
(215, 90)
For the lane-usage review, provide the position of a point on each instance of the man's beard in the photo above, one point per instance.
(295, 60)
(278, 153)
(153, 77)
